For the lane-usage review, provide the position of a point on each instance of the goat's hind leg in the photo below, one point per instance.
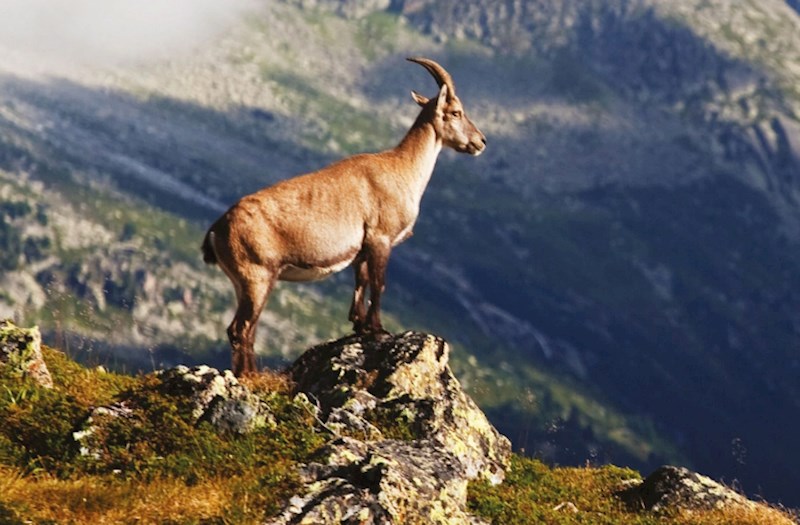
(358, 309)
(252, 295)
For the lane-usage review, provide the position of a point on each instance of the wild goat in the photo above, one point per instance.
(353, 211)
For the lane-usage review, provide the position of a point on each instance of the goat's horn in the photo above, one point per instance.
(441, 76)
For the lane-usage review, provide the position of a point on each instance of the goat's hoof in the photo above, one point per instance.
(368, 332)
(379, 334)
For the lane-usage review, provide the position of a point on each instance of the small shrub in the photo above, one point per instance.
(10, 246)
(129, 231)
(40, 422)
(41, 214)
(36, 248)
(15, 209)
(9, 517)
(10, 453)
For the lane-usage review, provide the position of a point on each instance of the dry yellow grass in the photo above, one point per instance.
(598, 484)
(755, 515)
(268, 381)
(104, 500)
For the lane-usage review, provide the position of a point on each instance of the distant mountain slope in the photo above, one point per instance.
(670, 264)
(619, 270)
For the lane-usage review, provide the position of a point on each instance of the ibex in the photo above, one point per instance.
(351, 212)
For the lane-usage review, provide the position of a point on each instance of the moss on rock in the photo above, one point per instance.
(21, 352)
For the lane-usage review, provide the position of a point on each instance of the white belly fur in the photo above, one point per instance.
(314, 273)
(291, 272)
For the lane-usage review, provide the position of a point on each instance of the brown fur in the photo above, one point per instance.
(351, 212)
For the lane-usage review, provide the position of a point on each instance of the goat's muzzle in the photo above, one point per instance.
(476, 146)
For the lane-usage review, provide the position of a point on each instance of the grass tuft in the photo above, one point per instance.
(268, 382)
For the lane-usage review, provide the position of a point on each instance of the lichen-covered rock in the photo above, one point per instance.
(87, 439)
(21, 349)
(217, 397)
(382, 482)
(405, 379)
(366, 390)
(679, 488)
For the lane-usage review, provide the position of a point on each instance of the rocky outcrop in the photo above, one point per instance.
(670, 488)
(369, 391)
(217, 397)
(406, 382)
(405, 439)
(21, 349)
(385, 481)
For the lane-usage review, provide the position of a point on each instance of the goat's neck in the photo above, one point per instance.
(418, 151)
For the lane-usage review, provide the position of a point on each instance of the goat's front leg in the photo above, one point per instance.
(358, 309)
(377, 260)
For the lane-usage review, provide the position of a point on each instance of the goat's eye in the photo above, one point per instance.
(455, 114)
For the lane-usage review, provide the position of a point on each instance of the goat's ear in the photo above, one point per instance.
(419, 99)
(443, 96)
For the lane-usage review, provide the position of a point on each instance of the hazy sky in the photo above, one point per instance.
(108, 31)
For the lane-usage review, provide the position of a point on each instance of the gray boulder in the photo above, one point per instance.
(406, 379)
(216, 397)
(671, 488)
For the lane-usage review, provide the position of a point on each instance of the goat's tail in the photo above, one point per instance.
(209, 255)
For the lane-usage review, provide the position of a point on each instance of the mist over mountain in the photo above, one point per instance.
(619, 272)
(98, 33)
